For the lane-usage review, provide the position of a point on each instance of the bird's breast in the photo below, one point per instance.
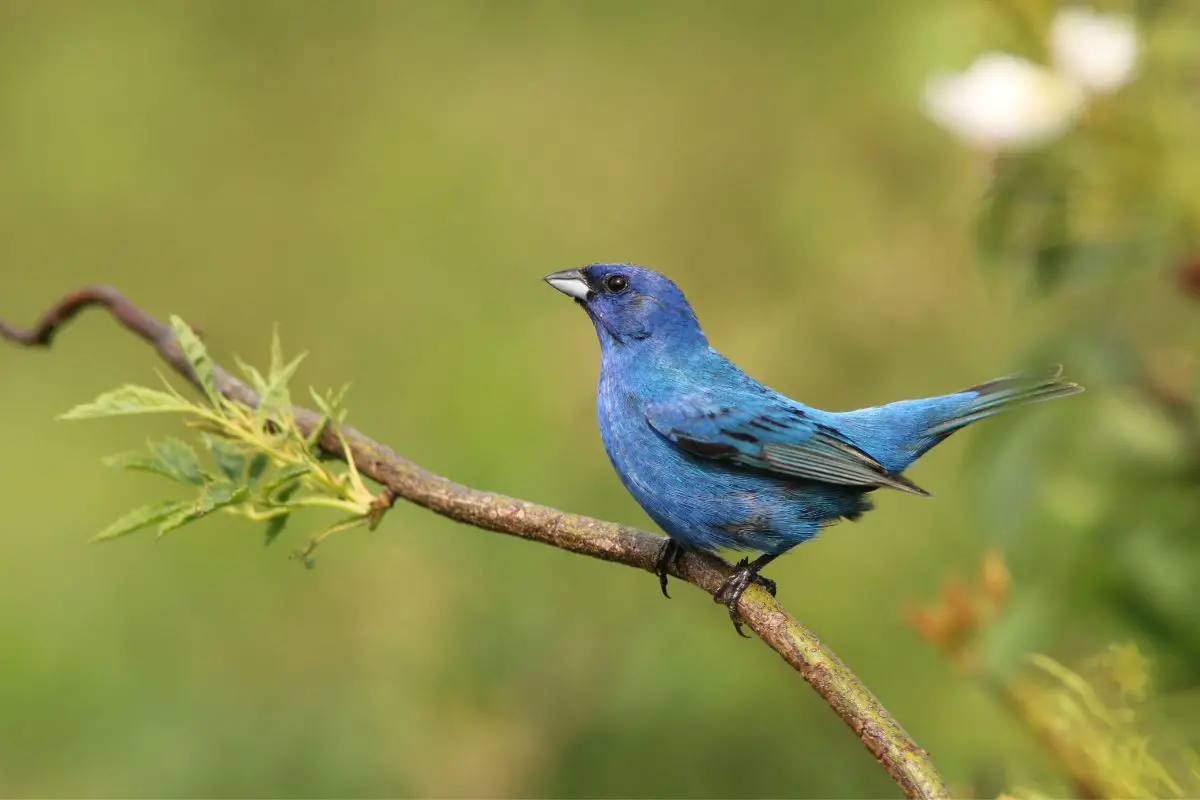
(635, 450)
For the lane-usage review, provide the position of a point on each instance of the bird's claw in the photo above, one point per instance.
(668, 554)
(731, 591)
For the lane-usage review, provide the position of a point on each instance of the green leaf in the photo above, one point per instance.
(275, 401)
(196, 354)
(330, 403)
(140, 518)
(1026, 210)
(313, 441)
(180, 461)
(229, 458)
(275, 525)
(214, 497)
(129, 400)
(1054, 246)
(276, 352)
(258, 465)
(220, 495)
(141, 462)
(285, 476)
(993, 228)
(331, 414)
(1052, 263)
(1061, 263)
(253, 376)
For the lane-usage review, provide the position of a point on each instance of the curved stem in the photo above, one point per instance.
(907, 763)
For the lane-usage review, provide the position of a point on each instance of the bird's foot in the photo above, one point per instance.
(668, 554)
(731, 591)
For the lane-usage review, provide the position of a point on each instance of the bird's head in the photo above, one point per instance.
(629, 304)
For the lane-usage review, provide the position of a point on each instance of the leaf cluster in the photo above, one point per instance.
(259, 464)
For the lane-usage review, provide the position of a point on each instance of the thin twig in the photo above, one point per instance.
(907, 763)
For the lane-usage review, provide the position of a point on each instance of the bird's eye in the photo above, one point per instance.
(616, 283)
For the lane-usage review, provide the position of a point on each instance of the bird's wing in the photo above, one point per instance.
(775, 437)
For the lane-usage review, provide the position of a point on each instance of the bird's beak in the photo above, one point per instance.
(569, 282)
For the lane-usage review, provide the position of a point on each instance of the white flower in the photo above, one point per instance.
(1004, 102)
(1097, 51)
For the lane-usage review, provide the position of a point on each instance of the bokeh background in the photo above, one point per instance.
(388, 181)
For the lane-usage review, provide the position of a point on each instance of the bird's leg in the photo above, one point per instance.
(744, 573)
(668, 554)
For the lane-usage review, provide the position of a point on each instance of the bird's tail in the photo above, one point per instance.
(1002, 394)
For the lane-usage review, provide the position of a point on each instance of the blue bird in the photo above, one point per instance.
(722, 462)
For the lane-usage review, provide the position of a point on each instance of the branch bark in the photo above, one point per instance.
(907, 763)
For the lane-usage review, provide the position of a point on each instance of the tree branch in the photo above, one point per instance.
(907, 763)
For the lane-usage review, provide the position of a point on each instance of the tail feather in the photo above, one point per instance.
(1004, 393)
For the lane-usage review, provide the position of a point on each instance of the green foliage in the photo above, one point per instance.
(1093, 507)
(129, 400)
(140, 518)
(263, 466)
(196, 354)
(1097, 722)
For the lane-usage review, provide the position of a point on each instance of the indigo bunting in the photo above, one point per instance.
(723, 462)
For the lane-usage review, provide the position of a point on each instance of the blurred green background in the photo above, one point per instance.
(389, 181)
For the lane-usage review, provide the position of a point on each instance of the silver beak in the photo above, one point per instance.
(569, 282)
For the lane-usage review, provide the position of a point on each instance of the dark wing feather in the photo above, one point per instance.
(780, 439)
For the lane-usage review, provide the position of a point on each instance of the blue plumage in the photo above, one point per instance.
(721, 461)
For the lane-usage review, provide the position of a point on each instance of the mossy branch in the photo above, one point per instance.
(907, 763)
